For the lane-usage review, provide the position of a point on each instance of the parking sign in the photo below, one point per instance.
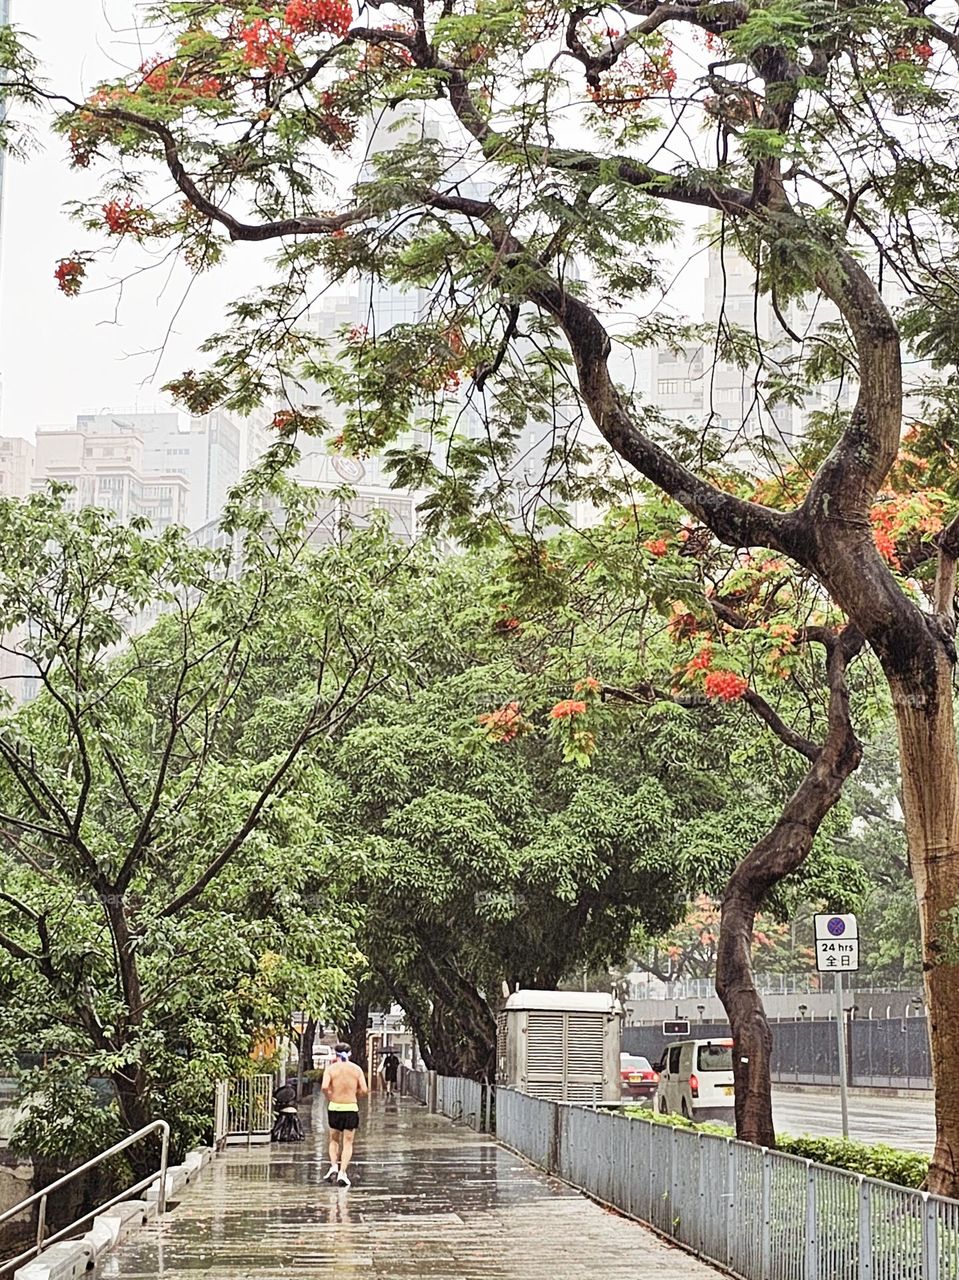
(837, 943)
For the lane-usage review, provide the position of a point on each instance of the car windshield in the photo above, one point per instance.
(630, 1063)
(715, 1057)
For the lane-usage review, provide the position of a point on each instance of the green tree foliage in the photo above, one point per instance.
(823, 144)
(169, 866)
(491, 854)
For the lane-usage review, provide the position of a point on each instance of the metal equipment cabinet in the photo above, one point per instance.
(560, 1045)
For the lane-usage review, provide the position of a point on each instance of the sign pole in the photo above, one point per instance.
(837, 951)
(841, 1042)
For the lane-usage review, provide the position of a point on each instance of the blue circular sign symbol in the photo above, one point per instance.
(836, 926)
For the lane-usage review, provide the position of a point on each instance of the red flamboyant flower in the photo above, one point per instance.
(318, 17)
(702, 661)
(725, 685)
(69, 275)
(657, 546)
(504, 724)
(568, 707)
(265, 48)
(160, 76)
(125, 218)
(156, 74)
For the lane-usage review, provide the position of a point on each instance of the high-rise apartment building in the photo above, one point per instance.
(376, 307)
(730, 399)
(16, 466)
(204, 452)
(107, 469)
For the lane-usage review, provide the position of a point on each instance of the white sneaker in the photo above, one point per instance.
(343, 1181)
(330, 1175)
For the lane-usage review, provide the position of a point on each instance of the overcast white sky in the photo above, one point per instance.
(62, 356)
(107, 349)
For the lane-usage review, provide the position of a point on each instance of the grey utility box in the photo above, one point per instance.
(560, 1045)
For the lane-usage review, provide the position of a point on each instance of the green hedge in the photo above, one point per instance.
(904, 1168)
(889, 1164)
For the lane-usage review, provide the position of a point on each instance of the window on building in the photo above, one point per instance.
(669, 386)
(728, 395)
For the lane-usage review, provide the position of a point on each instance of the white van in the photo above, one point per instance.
(696, 1081)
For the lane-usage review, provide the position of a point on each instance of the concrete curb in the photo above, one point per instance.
(855, 1091)
(65, 1261)
(70, 1259)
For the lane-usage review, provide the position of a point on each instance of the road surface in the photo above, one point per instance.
(899, 1122)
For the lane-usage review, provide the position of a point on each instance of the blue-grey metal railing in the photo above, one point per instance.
(464, 1101)
(40, 1197)
(881, 1052)
(760, 1214)
(413, 1083)
(461, 1100)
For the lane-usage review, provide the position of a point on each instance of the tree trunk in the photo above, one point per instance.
(136, 1113)
(773, 858)
(463, 1026)
(353, 1030)
(306, 1047)
(416, 1016)
(930, 787)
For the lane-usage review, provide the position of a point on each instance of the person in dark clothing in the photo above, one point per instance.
(391, 1066)
(286, 1127)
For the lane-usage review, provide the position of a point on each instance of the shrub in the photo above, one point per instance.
(905, 1168)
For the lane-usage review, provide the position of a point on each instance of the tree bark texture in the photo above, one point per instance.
(777, 855)
(927, 746)
(353, 1030)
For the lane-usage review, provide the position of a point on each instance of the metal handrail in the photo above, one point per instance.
(44, 1192)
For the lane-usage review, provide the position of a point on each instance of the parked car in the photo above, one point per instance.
(638, 1078)
(696, 1080)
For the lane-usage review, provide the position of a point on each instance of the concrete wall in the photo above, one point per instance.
(16, 1183)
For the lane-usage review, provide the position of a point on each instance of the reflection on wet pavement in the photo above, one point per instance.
(429, 1199)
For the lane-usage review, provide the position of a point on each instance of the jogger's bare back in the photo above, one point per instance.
(344, 1082)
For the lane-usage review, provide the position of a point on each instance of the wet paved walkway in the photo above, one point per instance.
(429, 1199)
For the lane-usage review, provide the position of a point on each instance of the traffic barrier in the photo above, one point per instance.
(759, 1214)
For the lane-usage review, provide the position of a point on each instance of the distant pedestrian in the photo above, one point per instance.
(343, 1084)
(391, 1067)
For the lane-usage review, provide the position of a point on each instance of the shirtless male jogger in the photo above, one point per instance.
(343, 1083)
